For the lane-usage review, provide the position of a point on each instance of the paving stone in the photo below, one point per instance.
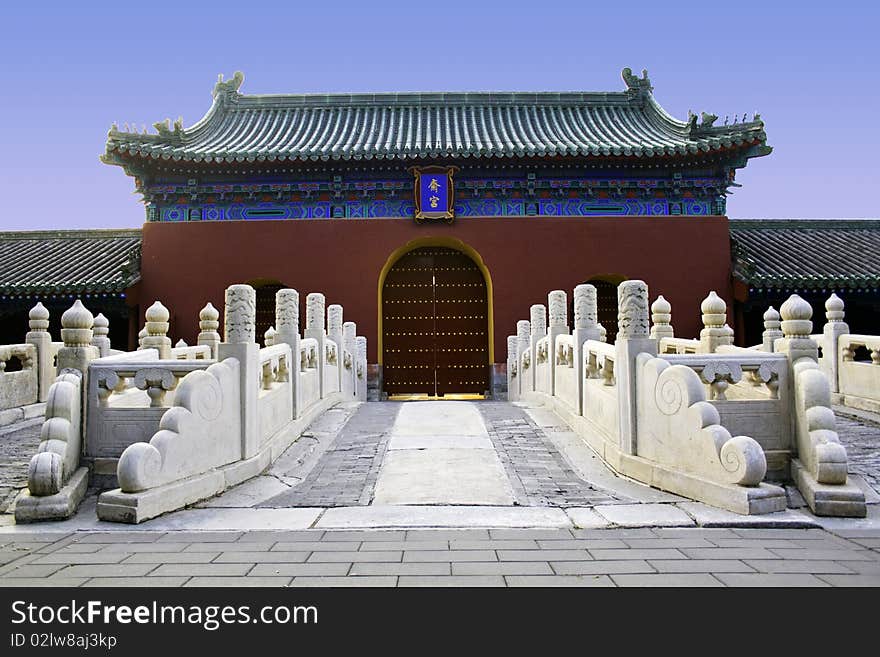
(756, 543)
(864, 567)
(447, 534)
(645, 515)
(506, 568)
(238, 581)
(141, 582)
(497, 545)
(351, 557)
(613, 533)
(106, 570)
(263, 557)
(383, 581)
(816, 534)
(666, 579)
(452, 580)
(544, 555)
(729, 553)
(448, 555)
(219, 569)
(82, 558)
(324, 546)
(246, 546)
(174, 557)
(81, 548)
(414, 568)
(635, 553)
(700, 566)
(558, 580)
(200, 537)
(682, 542)
(820, 555)
(297, 569)
(797, 566)
(31, 570)
(279, 536)
(709, 533)
(29, 582)
(403, 545)
(120, 537)
(762, 579)
(152, 548)
(601, 567)
(582, 544)
(381, 535)
(852, 580)
(530, 534)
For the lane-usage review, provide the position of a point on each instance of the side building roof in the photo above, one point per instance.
(806, 253)
(69, 261)
(407, 126)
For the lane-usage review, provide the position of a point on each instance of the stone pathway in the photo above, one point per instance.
(346, 473)
(538, 472)
(459, 557)
(862, 442)
(18, 443)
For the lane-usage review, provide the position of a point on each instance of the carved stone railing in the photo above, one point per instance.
(859, 381)
(198, 352)
(331, 366)
(22, 387)
(309, 373)
(750, 390)
(275, 399)
(543, 369)
(127, 397)
(599, 396)
(678, 346)
(567, 386)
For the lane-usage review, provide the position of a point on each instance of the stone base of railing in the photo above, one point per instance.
(60, 506)
(846, 500)
(860, 403)
(20, 413)
(745, 500)
(133, 508)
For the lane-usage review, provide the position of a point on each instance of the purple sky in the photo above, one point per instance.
(71, 69)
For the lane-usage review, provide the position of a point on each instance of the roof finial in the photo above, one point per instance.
(635, 83)
(230, 86)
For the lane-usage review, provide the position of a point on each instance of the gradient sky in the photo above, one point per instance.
(71, 69)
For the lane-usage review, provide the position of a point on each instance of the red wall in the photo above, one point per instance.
(186, 265)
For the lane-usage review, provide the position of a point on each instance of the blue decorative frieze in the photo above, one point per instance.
(527, 196)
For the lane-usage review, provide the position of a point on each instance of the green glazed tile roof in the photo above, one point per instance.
(406, 126)
(806, 253)
(69, 261)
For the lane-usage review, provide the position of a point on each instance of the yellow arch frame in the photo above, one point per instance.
(451, 243)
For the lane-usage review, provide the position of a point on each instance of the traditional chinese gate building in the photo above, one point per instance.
(547, 190)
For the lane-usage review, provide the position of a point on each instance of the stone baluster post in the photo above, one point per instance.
(141, 335)
(361, 372)
(714, 316)
(287, 332)
(538, 324)
(157, 317)
(633, 338)
(101, 331)
(315, 329)
(269, 337)
(77, 352)
(523, 338)
(239, 342)
(772, 330)
(512, 368)
(661, 320)
(334, 333)
(209, 322)
(557, 302)
(38, 321)
(586, 327)
(603, 334)
(834, 328)
(348, 357)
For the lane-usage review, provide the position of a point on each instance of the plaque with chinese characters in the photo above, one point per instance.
(434, 197)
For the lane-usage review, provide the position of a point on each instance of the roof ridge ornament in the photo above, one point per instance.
(635, 83)
(230, 86)
(164, 128)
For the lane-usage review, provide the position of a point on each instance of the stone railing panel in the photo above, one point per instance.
(859, 381)
(22, 387)
(275, 399)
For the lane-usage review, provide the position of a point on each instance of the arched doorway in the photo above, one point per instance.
(606, 302)
(435, 323)
(265, 311)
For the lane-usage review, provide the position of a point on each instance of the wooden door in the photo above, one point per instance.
(435, 324)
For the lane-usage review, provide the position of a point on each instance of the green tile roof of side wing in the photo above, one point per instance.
(806, 253)
(407, 126)
(69, 261)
